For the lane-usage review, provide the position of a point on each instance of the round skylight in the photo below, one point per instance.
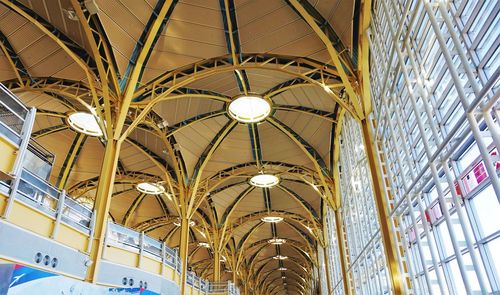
(85, 123)
(280, 257)
(264, 180)
(276, 241)
(150, 188)
(249, 108)
(272, 219)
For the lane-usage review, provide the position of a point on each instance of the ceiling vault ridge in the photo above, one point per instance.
(124, 104)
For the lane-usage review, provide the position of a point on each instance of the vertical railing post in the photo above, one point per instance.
(59, 213)
(91, 232)
(18, 163)
(141, 249)
(163, 258)
(175, 265)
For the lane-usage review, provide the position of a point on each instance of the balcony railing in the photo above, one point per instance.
(30, 187)
(13, 114)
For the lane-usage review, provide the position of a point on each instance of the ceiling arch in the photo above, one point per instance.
(178, 64)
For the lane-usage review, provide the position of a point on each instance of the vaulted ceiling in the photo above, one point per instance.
(177, 129)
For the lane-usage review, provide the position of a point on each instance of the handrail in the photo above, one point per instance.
(35, 191)
(13, 113)
(129, 239)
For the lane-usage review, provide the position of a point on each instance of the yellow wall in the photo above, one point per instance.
(3, 203)
(7, 150)
(30, 219)
(72, 238)
(121, 256)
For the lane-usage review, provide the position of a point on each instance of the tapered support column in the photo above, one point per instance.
(183, 253)
(389, 240)
(101, 205)
(217, 258)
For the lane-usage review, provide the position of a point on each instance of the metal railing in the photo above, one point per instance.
(228, 287)
(31, 187)
(130, 240)
(13, 114)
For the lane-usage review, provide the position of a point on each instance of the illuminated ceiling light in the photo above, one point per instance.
(178, 222)
(85, 123)
(264, 180)
(204, 244)
(276, 241)
(282, 268)
(283, 277)
(249, 108)
(272, 219)
(280, 257)
(150, 188)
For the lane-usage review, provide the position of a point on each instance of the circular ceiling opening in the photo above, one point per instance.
(249, 108)
(264, 180)
(85, 123)
(272, 219)
(150, 188)
(276, 241)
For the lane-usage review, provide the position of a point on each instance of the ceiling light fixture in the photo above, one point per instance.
(178, 222)
(264, 180)
(282, 268)
(85, 123)
(204, 244)
(150, 188)
(249, 108)
(272, 219)
(276, 241)
(280, 257)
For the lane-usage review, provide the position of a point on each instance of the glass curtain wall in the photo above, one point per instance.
(434, 78)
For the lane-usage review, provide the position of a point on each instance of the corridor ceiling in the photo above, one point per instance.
(194, 57)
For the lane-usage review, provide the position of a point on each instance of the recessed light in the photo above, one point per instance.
(178, 222)
(276, 241)
(272, 219)
(150, 188)
(282, 268)
(280, 257)
(249, 108)
(85, 123)
(204, 244)
(264, 180)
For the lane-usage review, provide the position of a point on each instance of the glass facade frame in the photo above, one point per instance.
(434, 68)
